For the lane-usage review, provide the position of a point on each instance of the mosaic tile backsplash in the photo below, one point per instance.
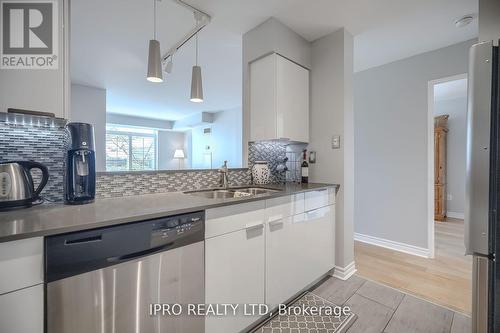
(275, 153)
(44, 144)
(125, 184)
(272, 152)
(134, 183)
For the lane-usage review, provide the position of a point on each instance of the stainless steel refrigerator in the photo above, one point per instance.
(482, 224)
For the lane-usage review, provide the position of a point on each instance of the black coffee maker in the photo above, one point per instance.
(80, 164)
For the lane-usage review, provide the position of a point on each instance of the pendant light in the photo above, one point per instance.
(154, 59)
(196, 85)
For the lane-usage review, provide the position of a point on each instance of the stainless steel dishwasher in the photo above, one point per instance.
(104, 280)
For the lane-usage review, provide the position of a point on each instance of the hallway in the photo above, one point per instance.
(444, 280)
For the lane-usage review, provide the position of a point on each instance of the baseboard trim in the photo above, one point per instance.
(344, 273)
(392, 245)
(455, 215)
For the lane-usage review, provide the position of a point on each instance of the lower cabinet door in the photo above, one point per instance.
(234, 274)
(282, 282)
(320, 240)
(21, 311)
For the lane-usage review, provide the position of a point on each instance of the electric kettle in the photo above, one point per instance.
(16, 184)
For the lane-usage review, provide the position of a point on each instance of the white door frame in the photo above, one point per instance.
(430, 157)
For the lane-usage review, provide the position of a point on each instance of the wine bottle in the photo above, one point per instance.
(305, 168)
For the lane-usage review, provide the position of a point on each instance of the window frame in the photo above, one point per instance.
(136, 134)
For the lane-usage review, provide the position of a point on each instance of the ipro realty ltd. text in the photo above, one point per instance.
(251, 309)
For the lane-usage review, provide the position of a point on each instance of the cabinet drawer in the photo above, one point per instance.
(21, 264)
(21, 311)
(281, 207)
(298, 203)
(317, 199)
(231, 218)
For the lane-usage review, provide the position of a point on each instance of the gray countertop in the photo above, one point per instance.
(51, 219)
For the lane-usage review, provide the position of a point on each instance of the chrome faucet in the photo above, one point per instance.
(223, 176)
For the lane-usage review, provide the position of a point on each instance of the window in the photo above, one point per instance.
(130, 148)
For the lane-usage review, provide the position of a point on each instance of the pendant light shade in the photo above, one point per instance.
(154, 62)
(155, 73)
(196, 85)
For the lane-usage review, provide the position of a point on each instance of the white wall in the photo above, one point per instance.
(390, 117)
(456, 108)
(88, 105)
(122, 119)
(270, 36)
(332, 113)
(224, 141)
(168, 142)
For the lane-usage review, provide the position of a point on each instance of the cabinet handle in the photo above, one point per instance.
(275, 222)
(254, 226)
(275, 218)
(317, 213)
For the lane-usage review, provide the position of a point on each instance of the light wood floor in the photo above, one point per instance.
(445, 280)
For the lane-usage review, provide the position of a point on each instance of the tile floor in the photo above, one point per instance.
(383, 309)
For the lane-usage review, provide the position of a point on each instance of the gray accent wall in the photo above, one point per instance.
(331, 113)
(390, 121)
(489, 22)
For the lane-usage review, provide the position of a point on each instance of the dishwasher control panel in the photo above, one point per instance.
(173, 228)
(78, 252)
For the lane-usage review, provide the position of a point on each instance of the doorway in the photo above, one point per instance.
(446, 152)
(447, 164)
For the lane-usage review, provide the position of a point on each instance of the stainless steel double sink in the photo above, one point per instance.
(235, 192)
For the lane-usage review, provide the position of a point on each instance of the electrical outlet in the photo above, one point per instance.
(336, 142)
(449, 197)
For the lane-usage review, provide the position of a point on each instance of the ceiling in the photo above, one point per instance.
(109, 49)
(109, 45)
(450, 90)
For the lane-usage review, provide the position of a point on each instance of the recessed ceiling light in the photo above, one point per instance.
(463, 21)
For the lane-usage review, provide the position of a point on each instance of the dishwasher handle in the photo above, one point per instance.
(135, 255)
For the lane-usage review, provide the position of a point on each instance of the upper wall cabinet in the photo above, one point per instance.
(279, 100)
(33, 67)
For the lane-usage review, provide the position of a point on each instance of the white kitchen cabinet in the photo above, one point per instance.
(285, 275)
(279, 100)
(21, 264)
(299, 247)
(45, 90)
(266, 252)
(319, 240)
(21, 286)
(235, 263)
(21, 311)
(319, 198)
(233, 218)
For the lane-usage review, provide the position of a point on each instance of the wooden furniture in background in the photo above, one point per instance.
(440, 133)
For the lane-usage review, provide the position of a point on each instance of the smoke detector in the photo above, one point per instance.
(464, 21)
